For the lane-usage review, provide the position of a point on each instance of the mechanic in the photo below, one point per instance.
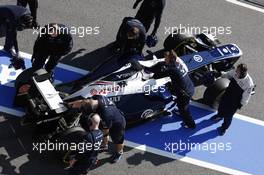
(131, 37)
(181, 85)
(128, 46)
(148, 11)
(113, 121)
(12, 19)
(82, 162)
(33, 6)
(53, 42)
(237, 94)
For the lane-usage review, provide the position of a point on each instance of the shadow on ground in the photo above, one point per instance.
(18, 156)
(16, 145)
(89, 60)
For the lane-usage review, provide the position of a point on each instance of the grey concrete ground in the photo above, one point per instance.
(246, 25)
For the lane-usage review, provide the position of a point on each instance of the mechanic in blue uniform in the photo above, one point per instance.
(181, 84)
(53, 42)
(82, 162)
(131, 37)
(33, 6)
(129, 43)
(113, 120)
(237, 94)
(148, 11)
(12, 19)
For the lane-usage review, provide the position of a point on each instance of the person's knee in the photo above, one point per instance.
(118, 136)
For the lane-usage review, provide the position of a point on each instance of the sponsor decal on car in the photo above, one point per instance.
(146, 114)
(198, 58)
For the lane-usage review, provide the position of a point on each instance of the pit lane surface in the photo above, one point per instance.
(246, 26)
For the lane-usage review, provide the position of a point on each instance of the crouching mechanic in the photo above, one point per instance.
(128, 46)
(53, 42)
(148, 11)
(181, 84)
(236, 95)
(114, 123)
(82, 162)
(12, 19)
(131, 37)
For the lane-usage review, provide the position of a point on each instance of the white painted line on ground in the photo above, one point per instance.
(184, 159)
(249, 119)
(11, 111)
(238, 116)
(242, 4)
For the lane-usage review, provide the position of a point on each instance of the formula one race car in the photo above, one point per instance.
(138, 96)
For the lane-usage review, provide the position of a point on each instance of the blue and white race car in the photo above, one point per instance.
(137, 95)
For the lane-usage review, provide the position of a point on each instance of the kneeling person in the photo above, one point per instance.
(112, 117)
(82, 162)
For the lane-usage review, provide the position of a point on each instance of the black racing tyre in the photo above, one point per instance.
(23, 78)
(213, 93)
(71, 135)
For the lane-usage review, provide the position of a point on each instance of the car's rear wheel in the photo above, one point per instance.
(213, 93)
(26, 75)
(70, 135)
(23, 78)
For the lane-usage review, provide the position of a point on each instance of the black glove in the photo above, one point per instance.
(17, 63)
(151, 41)
(67, 105)
(216, 73)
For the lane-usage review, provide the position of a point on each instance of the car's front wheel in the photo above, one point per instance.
(214, 93)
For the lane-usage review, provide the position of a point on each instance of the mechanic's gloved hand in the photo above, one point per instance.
(78, 104)
(66, 104)
(17, 63)
(216, 73)
(152, 40)
(208, 78)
